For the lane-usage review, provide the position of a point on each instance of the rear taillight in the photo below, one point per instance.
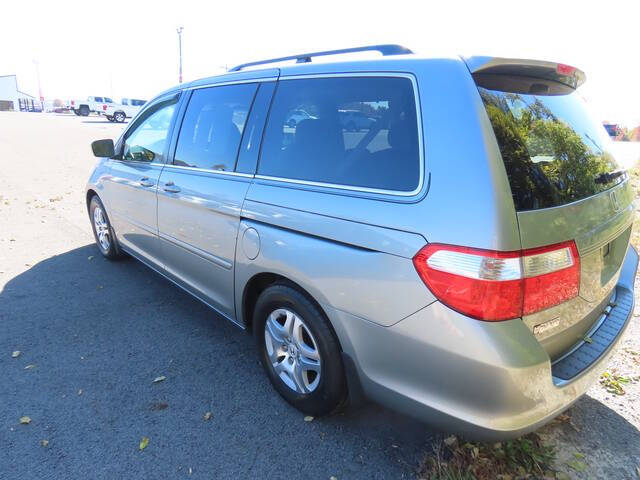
(104, 107)
(491, 285)
(73, 103)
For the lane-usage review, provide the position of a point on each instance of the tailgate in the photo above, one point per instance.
(565, 183)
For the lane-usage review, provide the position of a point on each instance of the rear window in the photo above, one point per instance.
(350, 131)
(554, 153)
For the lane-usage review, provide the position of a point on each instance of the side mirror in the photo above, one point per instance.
(103, 148)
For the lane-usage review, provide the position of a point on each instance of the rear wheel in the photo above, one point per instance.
(110, 118)
(103, 231)
(75, 110)
(299, 351)
(119, 117)
(84, 111)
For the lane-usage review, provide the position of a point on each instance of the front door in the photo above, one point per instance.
(131, 189)
(200, 194)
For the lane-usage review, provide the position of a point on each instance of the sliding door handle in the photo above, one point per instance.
(171, 187)
(145, 182)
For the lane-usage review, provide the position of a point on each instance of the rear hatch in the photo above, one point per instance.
(565, 183)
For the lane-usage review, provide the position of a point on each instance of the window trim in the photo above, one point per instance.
(178, 129)
(180, 118)
(135, 122)
(354, 188)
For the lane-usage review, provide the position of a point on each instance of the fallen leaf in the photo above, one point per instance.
(207, 416)
(44, 443)
(16, 354)
(25, 420)
(450, 440)
(144, 442)
(578, 466)
(308, 418)
(159, 379)
(30, 366)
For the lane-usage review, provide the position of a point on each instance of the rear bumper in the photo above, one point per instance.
(479, 379)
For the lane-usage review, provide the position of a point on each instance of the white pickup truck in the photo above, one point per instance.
(91, 104)
(127, 108)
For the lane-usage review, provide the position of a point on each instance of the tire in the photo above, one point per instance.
(75, 111)
(110, 118)
(84, 111)
(320, 388)
(103, 231)
(119, 117)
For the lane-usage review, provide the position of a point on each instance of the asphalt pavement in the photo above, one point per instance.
(93, 335)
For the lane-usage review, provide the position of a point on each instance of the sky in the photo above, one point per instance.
(130, 48)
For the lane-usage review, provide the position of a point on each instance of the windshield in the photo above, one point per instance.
(554, 153)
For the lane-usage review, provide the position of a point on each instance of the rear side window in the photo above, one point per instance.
(552, 149)
(98, 99)
(350, 131)
(212, 127)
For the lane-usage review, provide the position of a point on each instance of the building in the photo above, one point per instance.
(13, 99)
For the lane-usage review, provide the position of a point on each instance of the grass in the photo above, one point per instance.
(525, 457)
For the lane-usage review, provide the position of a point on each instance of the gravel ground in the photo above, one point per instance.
(93, 335)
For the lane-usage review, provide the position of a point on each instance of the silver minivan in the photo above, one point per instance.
(463, 256)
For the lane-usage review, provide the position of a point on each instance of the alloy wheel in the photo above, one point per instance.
(102, 229)
(292, 351)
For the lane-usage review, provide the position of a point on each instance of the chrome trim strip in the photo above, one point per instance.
(205, 170)
(233, 82)
(421, 159)
(196, 251)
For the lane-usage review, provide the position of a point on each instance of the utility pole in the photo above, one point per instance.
(37, 64)
(179, 30)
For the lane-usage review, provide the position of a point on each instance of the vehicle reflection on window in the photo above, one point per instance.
(552, 152)
(146, 142)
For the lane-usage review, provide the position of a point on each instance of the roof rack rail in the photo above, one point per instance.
(385, 50)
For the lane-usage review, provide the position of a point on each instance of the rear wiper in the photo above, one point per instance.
(608, 177)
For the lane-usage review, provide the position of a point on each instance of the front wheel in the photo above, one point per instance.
(299, 351)
(103, 231)
(84, 111)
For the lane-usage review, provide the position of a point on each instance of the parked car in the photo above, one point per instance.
(354, 120)
(91, 104)
(296, 117)
(466, 262)
(127, 108)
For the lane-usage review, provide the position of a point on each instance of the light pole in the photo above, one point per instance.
(179, 30)
(37, 64)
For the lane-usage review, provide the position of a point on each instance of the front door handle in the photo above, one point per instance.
(145, 182)
(171, 187)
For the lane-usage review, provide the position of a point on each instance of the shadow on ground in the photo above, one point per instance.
(610, 444)
(97, 333)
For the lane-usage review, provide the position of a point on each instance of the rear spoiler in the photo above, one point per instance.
(558, 72)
